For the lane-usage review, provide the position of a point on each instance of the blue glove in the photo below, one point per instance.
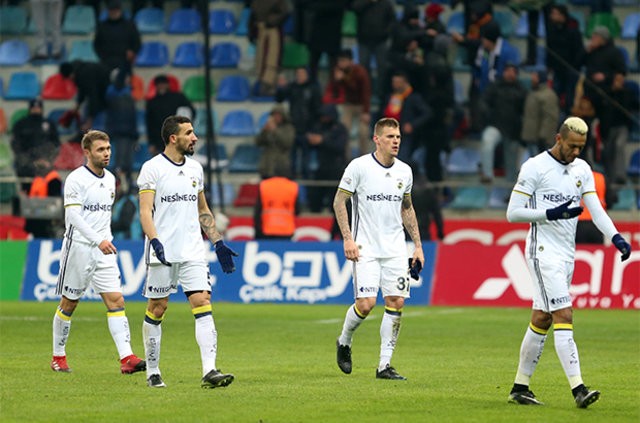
(563, 211)
(225, 255)
(414, 271)
(623, 246)
(159, 250)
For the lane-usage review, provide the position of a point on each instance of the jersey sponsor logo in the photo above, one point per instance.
(158, 290)
(177, 197)
(384, 197)
(97, 207)
(73, 291)
(561, 300)
(368, 289)
(559, 198)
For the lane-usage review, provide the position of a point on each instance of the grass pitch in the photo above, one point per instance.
(460, 363)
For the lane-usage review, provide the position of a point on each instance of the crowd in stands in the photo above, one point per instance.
(402, 67)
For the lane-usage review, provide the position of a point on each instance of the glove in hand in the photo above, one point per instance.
(225, 256)
(563, 211)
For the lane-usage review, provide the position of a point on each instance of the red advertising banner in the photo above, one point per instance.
(471, 274)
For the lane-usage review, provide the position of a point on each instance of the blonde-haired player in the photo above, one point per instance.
(547, 195)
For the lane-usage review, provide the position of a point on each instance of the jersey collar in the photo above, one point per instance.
(558, 161)
(172, 162)
(94, 174)
(376, 160)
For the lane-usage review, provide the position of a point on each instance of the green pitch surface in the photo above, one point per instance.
(460, 364)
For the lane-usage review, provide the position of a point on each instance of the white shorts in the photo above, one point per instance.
(551, 281)
(163, 280)
(391, 275)
(81, 266)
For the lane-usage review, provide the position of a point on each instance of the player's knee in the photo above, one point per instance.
(564, 315)
(68, 306)
(365, 305)
(541, 319)
(157, 309)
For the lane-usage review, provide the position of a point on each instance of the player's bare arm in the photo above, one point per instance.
(147, 198)
(351, 251)
(206, 219)
(410, 222)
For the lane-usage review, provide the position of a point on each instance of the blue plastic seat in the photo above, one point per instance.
(262, 120)
(541, 59)
(634, 165)
(23, 86)
(228, 194)
(222, 21)
(626, 200)
(468, 198)
(288, 26)
(184, 21)
(499, 197)
(153, 54)
(463, 161)
(233, 88)
(630, 26)
(55, 115)
(245, 159)
(149, 20)
(14, 53)
(238, 123)
(13, 20)
(505, 21)
(200, 123)
(243, 22)
(83, 50)
(455, 23)
(79, 19)
(225, 55)
(140, 155)
(189, 54)
(522, 26)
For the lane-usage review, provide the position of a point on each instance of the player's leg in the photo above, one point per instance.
(61, 329)
(194, 277)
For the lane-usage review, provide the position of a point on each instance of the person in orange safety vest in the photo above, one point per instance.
(276, 206)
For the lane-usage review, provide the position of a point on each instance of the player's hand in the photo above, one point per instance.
(563, 211)
(415, 269)
(225, 256)
(623, 246)
(351, 250)
(107, 247)
(159, 250)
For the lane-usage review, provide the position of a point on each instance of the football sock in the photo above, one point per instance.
(567, 352)
(151, 336)
(389, 330)
(61, 328)
(119, 328)
(352, 320)
(206, 337)
(530, 352)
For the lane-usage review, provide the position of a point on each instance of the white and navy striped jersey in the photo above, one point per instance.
(377, 194)
(175, 207)
(548, 183)
(94, 196)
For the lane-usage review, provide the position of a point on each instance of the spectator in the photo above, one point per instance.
(277, 205)
(565, 51)
(165, 103)
(305, 99)
(426, 204)
(117, 40)
(479, 13)
(406, 53)
(541, 114)
(46, 183)
(328, 139)
(533, 19)
(267, 21)
(276, 139)
(92, 80)
(34, 137)
(407, 107)
(503, 105)
(125, 219)
(354, 80)
(433, 25)
(47, 18)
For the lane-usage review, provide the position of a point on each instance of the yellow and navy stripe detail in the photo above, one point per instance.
(393, 311)
(563, 326)
(73, 205)
(151, 319)
(61, 314)
(521, 192)
(589, 192)
(146, 190)
(358, 312)
(201, 311)
(538, 330)
(345, 191)
(116, 312)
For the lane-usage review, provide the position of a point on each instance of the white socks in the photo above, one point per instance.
(530, 352)
(567, 352)
(206, 337)
(389, 330)
(352, 320)
(61, 328)
(151, 336)
(119, 328)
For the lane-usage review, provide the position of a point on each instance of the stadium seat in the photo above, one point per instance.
(243, 22)
(150, 20)
(463, 161)
(225, 55)
(55, 115)
(189, 54)
(79, 19)
(634, 165)
(247, 195)
(58, 88)
(184, 21)
(630, 26)
(219, 160)
(222, 21)
(137, 87)
(233, 88)
(4, 126)
(541, 59)
(608, 20)
(245, 159)
(228, 194)
(504, 19)
(468, 198)
(626, 200)
(16, 116)
(288, 26)
(140, 155)
(13, 20)
(499, 197)
(194, 88)
(200, 123)
(14, 53)
(257, 96)
(349, 24)
(83, 50)
(294, 55)
(22, 86)
(69, 157)
(174, 86)
(578, 15)
(153, 54)
(522, 26)
(455, 23)
(262, 120)
(238, 123)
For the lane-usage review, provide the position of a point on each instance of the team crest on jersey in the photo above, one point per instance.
(400, 184)
(113, 195)
(578, 183)
(193, 182)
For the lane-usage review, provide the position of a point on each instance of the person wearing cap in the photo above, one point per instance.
(116, 40)
(541, 114)
(547, 195)
(34, 136)
(276, 138)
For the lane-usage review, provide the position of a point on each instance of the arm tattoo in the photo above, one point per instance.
(208, 225)
(410, 221)
(342, 217)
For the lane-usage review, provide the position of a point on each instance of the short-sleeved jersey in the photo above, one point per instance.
(548, 183)
(94, 196)
(377, 194)
(175, 207)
